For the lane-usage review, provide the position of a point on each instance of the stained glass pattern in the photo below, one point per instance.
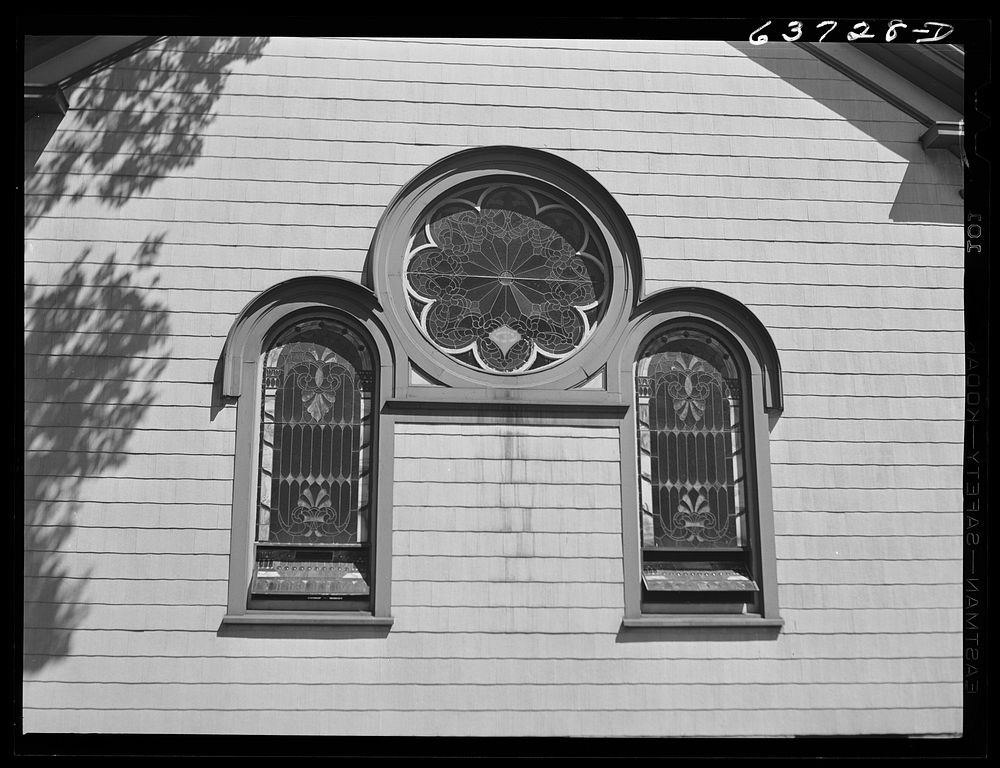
(506, 279)
(315, 427)
(691, 461)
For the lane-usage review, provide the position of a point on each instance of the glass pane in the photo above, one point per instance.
(505, 278)
(691, 477)
(315, 437)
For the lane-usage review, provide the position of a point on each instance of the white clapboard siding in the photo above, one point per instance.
(894, 523)
(444, 671)
(838, 643)
(759, 172)
(933, 720)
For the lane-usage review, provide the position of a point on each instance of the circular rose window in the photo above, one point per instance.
(506, 278)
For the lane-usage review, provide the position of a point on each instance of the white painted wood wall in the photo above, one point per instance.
(507, 574)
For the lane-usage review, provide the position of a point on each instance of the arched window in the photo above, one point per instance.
(314, 460)
(506, 277)
(309, 366)
(502, 284)
(504, 269)
(698, 552)
(703, 380)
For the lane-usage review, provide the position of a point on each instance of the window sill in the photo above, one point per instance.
(701, 621)
(308, 618)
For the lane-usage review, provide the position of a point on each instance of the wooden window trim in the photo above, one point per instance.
(414, 385)
(510, 164)
(761, 367)
(272, 310)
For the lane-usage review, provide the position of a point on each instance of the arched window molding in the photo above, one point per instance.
(756, 357)
(431, 369)
(417, 380)
(255, 329)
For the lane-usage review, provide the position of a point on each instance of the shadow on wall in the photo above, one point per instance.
(95, 346)
(135, 121)
(929, 190)
(95, 341)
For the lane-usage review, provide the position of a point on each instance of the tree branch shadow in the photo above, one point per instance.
(136, 121)
(94, 348)
(95, 340)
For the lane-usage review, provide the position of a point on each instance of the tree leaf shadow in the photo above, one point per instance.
(94, 347)
(96, 339)
(136, 121)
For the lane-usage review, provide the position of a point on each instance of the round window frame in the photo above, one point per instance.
(507, 165)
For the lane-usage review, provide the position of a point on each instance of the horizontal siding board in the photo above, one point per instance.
(484, 447)
(308, 76)
(230, 138)
(874, 548)
(176, 394)
(178, 262)
(888, 597)
(546, 469)
(114, 565)
(513, 594)
(153, 491)
(656, 231)
(838, 643)
(669, 265)
(162, 370)
(499, 519)
(502, 672)
(872, 200)
(209, 442)
(512, 568)
(135, 465)
(388, 163)
(772, 722)
(866, 620)
(140, 540)
(129, 515)
(634, 697)
(885, 430)
(875, 477)
(233, 138)
(875, 362)
(771, 313)
(876, 500)
(77, 617)
(326, 93)
(893, 523)
(869, 453)
(206, 324)
(500, 494)
(869, 572)
(862, 406)
(852, 102)
(145, 594)
(604, 55)
(252, 269)
(154, 416)
(246, 257)
(567, 544)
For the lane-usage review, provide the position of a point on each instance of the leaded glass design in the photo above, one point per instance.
(315, 437)
(691, 464)
(506, 278)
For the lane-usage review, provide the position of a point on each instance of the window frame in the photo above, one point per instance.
(255, 329)
(760, 371)
(507, 165)
(596, 383)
